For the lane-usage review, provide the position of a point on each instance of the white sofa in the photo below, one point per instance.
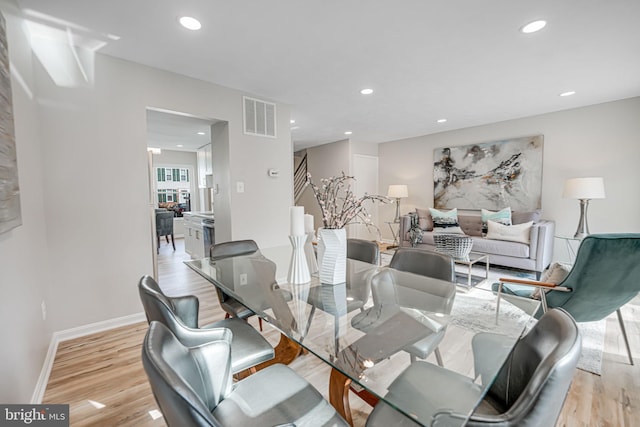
(535, 256)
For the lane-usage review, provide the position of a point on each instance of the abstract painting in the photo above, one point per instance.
(490, 175)
(10, 214)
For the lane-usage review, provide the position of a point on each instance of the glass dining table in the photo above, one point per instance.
(370, 328)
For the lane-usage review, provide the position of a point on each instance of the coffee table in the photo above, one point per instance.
(469, 261)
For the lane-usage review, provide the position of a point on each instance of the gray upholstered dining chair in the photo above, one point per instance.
(164, 227)
(230, 305)
(426, 263)
(392, 290)
(604, 277)
(363, 250)
(529, 389)
(193, 386)
(180, 315)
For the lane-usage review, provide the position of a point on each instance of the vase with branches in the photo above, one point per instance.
(339, 207)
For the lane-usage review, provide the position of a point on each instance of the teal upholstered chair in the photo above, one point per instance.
(604, 277)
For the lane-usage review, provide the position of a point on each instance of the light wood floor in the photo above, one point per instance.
(102, 378)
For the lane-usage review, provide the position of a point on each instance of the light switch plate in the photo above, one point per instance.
(243, 278)
(240, 187)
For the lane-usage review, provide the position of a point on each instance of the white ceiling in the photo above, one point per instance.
(462, 60)
(170, 131)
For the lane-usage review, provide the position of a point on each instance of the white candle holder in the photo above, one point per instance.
(310, 254)
(298, 268)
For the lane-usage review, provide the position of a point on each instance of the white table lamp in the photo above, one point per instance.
(398, 191)
(583, 189)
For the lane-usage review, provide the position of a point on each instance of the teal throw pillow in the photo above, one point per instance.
(502, 216)
(445, 222)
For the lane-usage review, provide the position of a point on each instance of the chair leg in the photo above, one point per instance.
(439, 357)
(260, 322)
(173, 242)
(624, 335)
(226, 316)
(158, 246)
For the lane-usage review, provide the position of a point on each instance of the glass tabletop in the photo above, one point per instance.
(369, 327)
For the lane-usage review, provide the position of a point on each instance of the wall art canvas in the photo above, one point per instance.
(10, 214)
(490, 175)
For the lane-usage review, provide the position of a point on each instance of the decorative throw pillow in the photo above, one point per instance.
(502, 216)
(555, 274)
(445, 222)
(512, 233)
(519, 217)
(424, 219)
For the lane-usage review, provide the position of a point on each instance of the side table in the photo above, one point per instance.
(395, 229)
(573, 243)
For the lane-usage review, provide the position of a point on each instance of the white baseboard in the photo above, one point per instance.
(68, 334)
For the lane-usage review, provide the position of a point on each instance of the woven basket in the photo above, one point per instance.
(456, 245)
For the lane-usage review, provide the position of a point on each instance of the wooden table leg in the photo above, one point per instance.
(286, 352)
(339, 394)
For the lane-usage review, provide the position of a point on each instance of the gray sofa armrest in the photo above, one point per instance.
(542, 247)
(405, 225)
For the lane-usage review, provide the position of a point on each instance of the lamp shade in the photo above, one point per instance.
(398, 191)
(584, 188)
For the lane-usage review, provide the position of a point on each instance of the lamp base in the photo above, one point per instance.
(397, 218)
(583, 226)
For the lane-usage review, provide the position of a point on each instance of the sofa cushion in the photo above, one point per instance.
(500, 247)
(512, 233)
(471, 224)
(525, 216)
(424, 219)
(445, 221)
(503, 216)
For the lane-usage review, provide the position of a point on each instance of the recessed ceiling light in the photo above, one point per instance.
(366, 91)
(180, 145)
(441, 120)
(534, 26)
(292, 121)
(569, 93)
(200, 133)
(190, 23)
(348, 132)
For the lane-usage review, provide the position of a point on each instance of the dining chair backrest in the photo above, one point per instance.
(164, 223)
(404, 289)
(187, 383)
(532, 384)
(363, 250)
(232, 248)
(158, 307)
(604, 277)
(425, 263)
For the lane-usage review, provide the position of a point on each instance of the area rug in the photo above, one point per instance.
(592, 332)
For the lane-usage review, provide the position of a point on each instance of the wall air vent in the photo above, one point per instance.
(259, 117)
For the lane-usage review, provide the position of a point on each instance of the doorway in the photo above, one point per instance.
(179, 162)
(365, 169)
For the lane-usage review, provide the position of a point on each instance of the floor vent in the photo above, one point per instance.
(259, 117)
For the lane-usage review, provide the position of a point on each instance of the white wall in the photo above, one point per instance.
(97, 257)
(94, 223)
(599, 140)
(24, 264)
(324, 161)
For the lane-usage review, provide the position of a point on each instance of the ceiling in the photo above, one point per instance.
(463, 60)
(178, 132)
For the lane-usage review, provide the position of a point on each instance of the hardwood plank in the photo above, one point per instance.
(106, 367)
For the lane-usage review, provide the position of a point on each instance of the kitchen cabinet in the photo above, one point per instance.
(205, 165)
(194, 239)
